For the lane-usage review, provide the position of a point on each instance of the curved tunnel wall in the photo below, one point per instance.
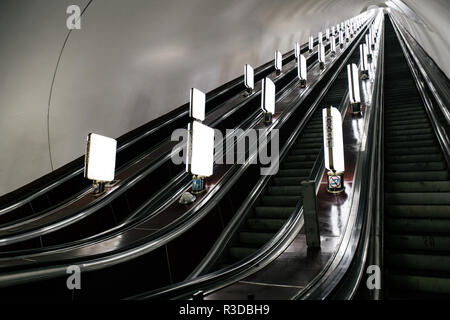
(131, 62)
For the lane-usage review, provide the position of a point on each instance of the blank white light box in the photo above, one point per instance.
(197, 104)
(100, 158)
(200, 149)
(268, 96)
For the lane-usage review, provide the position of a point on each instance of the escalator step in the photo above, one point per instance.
(307, 158)
(415, 137)
(417, 176)
(283, 201)
(407, 151)
(308, 145)
(405, 127)
(289, 181)
(418, 261)
(285, 190)
(254, 238)
(440, 285)
(305, 151)
(265, 224)
(412, 143)
(417, 166)
(274, 212)
(293, 172)
(418, 242)
(409, 225)
(400, 122)
(421, 211)
(298, 165)
(431, 198)
(420, 186)
(414, 158)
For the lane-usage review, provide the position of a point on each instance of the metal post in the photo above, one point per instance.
(310, 214)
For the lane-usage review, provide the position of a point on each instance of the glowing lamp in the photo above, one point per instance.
(302, 71)
(297, 50)
(249, 78)
(197, 104)
(333, 149)
(353, 88)
(321, 55)
(278, 62)
(333, 46)
(200, 154)
(100, 160)
(268, 99)
(363, 61)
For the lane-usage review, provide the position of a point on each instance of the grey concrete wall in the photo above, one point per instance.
(131, 62)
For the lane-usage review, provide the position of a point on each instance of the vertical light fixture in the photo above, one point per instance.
(369, 50)
(363, 61)
(320, 37)
(100, 161)
(353, 88)
(268, 99)
(333, 46)
(333, 149)
(297, 50)
(321, 55)
(200, 147)
(278, 62)
(311, 44)
(302, 71)
(197, 104)
(249, 78)
(327, 33)
(200, 154)
(341, 39)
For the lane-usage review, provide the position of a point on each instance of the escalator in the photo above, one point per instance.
(132, 251)
(280, 198)
(416, 188)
